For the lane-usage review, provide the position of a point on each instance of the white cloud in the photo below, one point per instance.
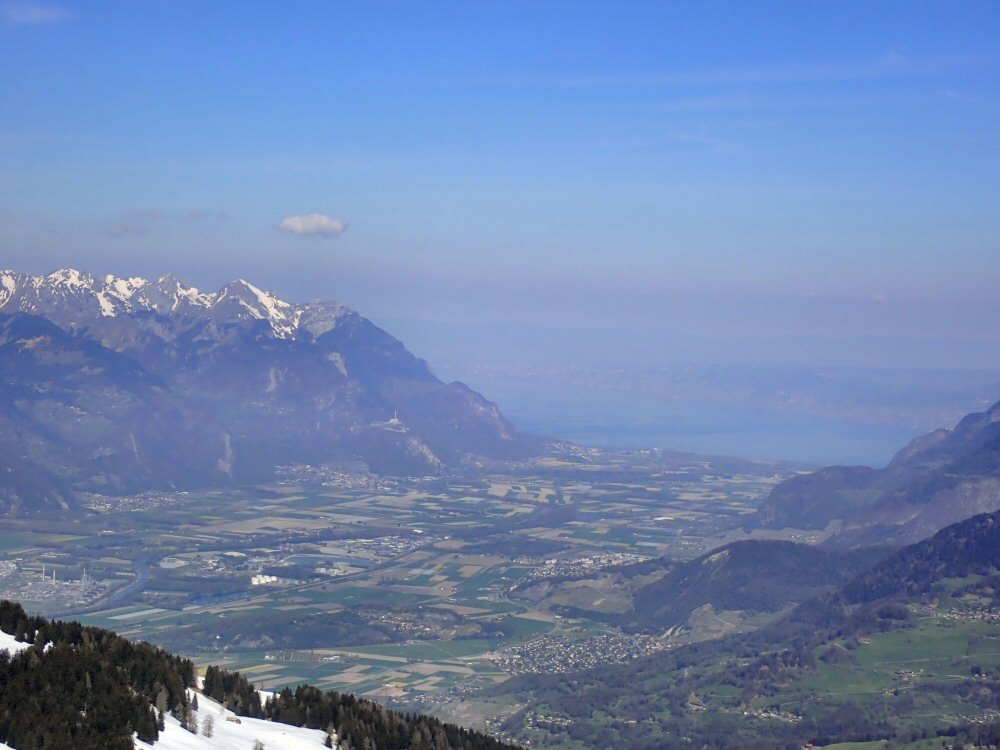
(313, 225)
(30, 13)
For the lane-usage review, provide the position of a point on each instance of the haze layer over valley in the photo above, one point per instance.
(382, 554)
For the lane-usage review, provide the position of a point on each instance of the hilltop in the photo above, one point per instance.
(740, 586)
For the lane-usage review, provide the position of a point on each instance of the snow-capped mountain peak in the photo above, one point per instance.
(74, 298)
(70, 277)
(242, 300)
(123, 288)
(168, 295)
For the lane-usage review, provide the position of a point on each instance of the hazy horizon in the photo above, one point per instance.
(550, 185)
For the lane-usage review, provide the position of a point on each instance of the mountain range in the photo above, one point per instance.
(123, 384)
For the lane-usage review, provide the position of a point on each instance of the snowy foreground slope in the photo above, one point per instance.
(228, 735)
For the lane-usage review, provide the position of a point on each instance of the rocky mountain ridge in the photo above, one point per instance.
(74, 298)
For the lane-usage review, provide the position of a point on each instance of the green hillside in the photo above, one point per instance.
(904, 652)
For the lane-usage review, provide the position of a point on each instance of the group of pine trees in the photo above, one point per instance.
(87, 688)
(84, 687)
(365, 725)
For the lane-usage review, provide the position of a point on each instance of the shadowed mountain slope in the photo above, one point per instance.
(936, 480)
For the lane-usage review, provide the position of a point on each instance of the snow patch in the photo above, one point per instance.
(125, 288)
(8, 285)
(70, 277)
(7, 641)
(107, 309)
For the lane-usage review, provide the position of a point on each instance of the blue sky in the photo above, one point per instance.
(764, 172)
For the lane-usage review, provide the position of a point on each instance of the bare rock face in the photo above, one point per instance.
(125, 384)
